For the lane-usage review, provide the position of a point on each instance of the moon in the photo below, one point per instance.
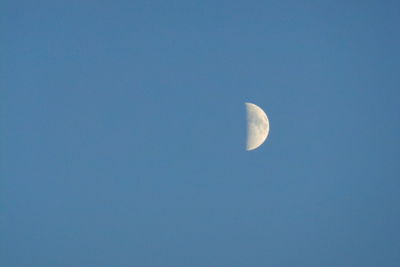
(257, 126)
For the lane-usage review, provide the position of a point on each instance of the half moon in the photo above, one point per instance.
(257, 126)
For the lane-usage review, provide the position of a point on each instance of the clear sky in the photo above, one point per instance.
(123, 133)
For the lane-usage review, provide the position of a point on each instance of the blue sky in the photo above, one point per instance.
(123, 133)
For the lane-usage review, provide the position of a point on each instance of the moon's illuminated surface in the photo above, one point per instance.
(257, 126)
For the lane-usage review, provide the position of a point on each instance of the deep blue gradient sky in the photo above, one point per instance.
(123, 133)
